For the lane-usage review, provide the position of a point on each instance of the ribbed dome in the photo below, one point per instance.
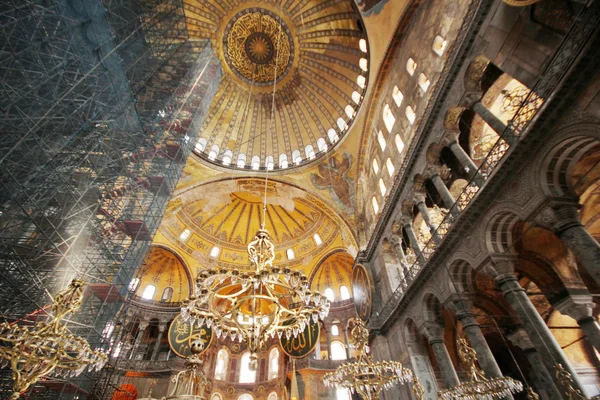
(317, 53)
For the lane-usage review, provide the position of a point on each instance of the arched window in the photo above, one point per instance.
(245, 396)
(338, 351)
(283, 161)
(388, 118)
(341, 124)
(397, 96)
(216, 396)
(411, 66)
(317, 239)
(342, 393)
(349, 111)
(296, 157)
(221, 365)
(381, 140)
(439, 45)
(133, 285)
(227, 156)
(272, 396)
(399, 143)
(363, 64)
(361, 81)
(390, 166)
(321, 144)
(213, 153)
(356, 97)
(382, 187)
(290, 254)
(273, 363)
(241, 162)
(335, 330)
(332, 135)
(148, 293)
(215, 251)
(255, 163)
(362, 44)
(410, 114)
(269, 163)
(185, 235)
(167, 294)
(310, 152)
(344, 293)
(375, 166)
(375, 205)
(200, 145)
(329, 294)
(423, 82)
(246, 374)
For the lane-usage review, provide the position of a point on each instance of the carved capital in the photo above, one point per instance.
(162, 327)
(521, 339)
(406, 220)
(500, 267)
(459, 303)
(433, 331)
(578, 307)
(397, 228)
(558, 217)
(420, 197)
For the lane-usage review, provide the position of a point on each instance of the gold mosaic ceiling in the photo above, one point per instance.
(315, 50)
(227, 214)
(163, 269)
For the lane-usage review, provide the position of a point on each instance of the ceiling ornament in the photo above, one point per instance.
(478, 387)
(254, 306)
(364, 376)
(48, 348)
(258, 47)
(190, 383)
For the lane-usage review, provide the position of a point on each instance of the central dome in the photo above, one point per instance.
(295, 73)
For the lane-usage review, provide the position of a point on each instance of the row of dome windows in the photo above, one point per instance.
(247, 374)
(245, 396)
(439, 45)
(309, 150)
(150, 291)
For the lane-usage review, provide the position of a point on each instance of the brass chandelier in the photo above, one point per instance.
(479, 387)
(189, 384)
(364, 376)
(251, 306)
(48, 348)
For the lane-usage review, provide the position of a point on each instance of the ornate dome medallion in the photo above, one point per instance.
(317, 53)
(258, 47)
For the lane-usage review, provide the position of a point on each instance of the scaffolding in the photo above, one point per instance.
(100, 104)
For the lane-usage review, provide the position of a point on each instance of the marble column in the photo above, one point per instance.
(346, 343)
(318, 350)
(543, 380)
(563, 219)
(579, 307)
(447, 198)
(138, 339)
(161, 330)
(466, 164)
(414, 243)
(534, 325)
(498, 126)
(424, 211)
(435, 335)
(328, 336)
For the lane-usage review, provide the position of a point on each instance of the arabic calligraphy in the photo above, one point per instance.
(361, 287)
(304, 343)
(182, 336)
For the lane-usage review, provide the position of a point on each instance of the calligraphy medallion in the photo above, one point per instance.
(362, 292)
(182, 337)
(304, 343)
(258, 46)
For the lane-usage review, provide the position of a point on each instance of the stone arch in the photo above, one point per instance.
(432, 308)
(541, 271)
(557, 166)
(499, 233)
(481, 73)
(410, 331)
(460, 277)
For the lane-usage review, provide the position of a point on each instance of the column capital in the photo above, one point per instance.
(406, 221)
(460, 304)
(419, 197)
(143, 325)
(162, 327)
(578, 307)
(500, 267)
(433, 331)
(558, 215)
(521, 339)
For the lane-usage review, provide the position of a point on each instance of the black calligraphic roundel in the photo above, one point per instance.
(304, 343)
(362, 292)
(182, 336)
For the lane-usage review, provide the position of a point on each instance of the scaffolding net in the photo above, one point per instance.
(100, 105)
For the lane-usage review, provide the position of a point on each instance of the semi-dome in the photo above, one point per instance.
(295, 76)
